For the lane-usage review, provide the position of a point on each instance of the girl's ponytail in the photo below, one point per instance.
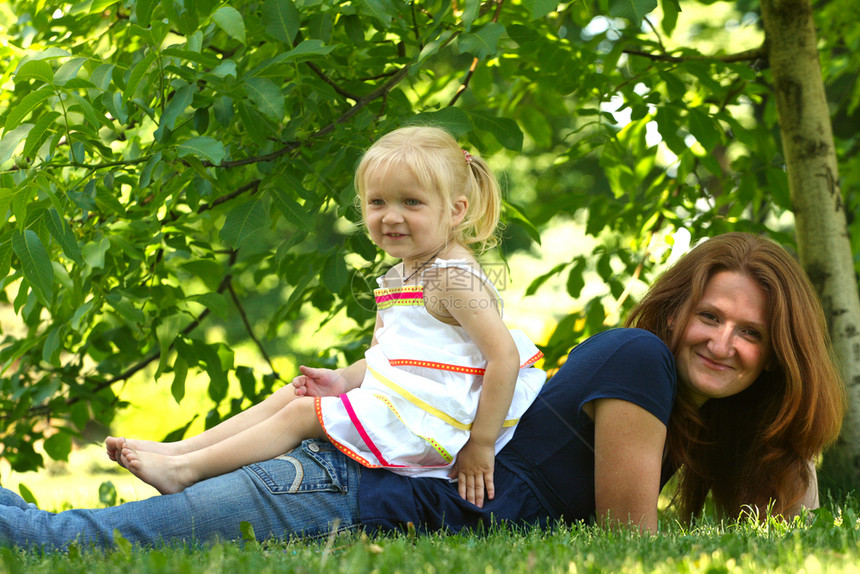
(481, 225)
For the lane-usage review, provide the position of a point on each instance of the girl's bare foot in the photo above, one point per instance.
(114, 445)
(167, 474)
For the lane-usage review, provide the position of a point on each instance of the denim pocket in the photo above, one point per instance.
(316, 466)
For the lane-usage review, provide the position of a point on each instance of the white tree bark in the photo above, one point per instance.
(813, 179)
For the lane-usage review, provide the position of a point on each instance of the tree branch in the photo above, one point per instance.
(252, 187)
(745, 56)
(331, 82)
(250, 330)
(465, 85)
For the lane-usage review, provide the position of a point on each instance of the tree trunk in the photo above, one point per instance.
(813, 180)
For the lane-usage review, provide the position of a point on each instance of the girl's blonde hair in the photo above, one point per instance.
(439, 164)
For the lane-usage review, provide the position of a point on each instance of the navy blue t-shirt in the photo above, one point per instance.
(546, 472)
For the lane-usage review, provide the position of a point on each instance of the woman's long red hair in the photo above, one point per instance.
(753, 448)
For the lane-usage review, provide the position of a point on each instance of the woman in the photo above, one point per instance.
(758, 398)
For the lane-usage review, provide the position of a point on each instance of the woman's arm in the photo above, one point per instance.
(628, 458)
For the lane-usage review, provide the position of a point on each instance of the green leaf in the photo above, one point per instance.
(35, 263)
(704, 129)
(180, 373)
(218, 382)
(181, 100)
(281, 20)
(28, 103)
(125, 308)
(26, 494)
(93, 252)
(247, 530)
(307, 48)
(107, 493)
(243, 222)
(51, 348)
(68, 71)
(197, 57)
(123, 546)
(452, 119)
(247, 381)
(230, 20)
(143, 11)
(576, 278)
(470, 12)
(5, 254)
(215, 302)
(505, 130)
(334, 273)
(541, 8)
(166, 332)
(267, 97)
(434, 46)
(59, 445)
(79, 315)
(540, 280)
(35, 70)
(62, 234)
(137, 75)
(512, 213)
(203, 146)
(10, 141)
(633, 10)
(209, 271)
(94, 118)
(482, 44)
(290, 208)
(39, 133)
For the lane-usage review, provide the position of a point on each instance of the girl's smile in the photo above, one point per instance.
(406, 220)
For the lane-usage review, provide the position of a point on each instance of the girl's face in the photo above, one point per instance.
(726, 343)
(406, 220)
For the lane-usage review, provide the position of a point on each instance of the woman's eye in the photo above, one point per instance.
(708, 316)
(753, 334)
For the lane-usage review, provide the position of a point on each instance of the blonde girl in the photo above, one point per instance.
(444, 382)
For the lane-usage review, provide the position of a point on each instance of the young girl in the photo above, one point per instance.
(444, 382)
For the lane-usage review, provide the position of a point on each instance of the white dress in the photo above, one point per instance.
(415, 406)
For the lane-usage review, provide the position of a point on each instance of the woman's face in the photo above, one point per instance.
(726, 343)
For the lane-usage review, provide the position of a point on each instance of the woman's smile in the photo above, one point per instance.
(726, 342)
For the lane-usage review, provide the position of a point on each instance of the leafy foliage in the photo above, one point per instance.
(173, 165)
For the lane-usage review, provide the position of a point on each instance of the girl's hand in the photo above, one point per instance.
(474, 472)
(315, 382)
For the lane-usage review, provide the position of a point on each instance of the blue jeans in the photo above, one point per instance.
(307, 492)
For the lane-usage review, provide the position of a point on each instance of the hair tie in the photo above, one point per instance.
(468, 157)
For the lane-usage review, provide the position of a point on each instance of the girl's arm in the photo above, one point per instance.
(316, 382)
(476, 310)
(628, 460)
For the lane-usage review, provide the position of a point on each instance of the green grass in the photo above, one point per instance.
(829, 541)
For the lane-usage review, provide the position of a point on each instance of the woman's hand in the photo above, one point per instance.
(474, 472)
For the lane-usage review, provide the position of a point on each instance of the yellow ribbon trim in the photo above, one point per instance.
(435, 444)
(424, 406)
